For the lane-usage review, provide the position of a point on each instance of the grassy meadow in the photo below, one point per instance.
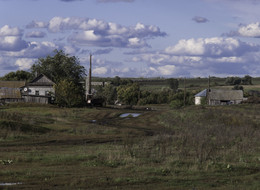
(196, 84)
(196, 147)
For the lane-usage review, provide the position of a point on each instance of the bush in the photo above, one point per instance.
(238, 87)
(176, 104)
(128, 94)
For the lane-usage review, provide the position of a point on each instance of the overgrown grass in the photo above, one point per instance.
(189, 148)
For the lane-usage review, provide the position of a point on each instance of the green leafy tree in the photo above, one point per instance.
(67, 73)
(107, 93)
(110, 94)
(67, 94)
(116, 81)
(247, 80)
(233, 81)
(178, 99)
(59, 67)
(19, 75)
(173, 83)
(128, 94)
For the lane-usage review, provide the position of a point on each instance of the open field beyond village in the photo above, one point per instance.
(196, 147)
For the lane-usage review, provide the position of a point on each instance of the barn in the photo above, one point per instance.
(219, 97)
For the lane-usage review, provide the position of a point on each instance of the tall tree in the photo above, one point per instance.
(59, 67)
(173, 83)
(67, 94)
(67, 73)
(247, 80)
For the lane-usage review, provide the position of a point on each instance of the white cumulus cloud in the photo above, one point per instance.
(100, 71)
(251, 30)
(9, 31)
(216, 47)
(167, 70)
(37, 24)
(12, 43)
(24, 64)
(36, 34)
(203, 57)
(94, 32)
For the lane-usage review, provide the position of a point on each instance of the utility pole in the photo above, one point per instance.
(184, 98)
(89, 74)
(208, 91)
(209, 83)
(88, 83)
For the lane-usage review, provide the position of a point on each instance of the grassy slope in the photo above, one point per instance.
(195, 147)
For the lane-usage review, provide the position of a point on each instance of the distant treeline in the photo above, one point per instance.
(191, 82)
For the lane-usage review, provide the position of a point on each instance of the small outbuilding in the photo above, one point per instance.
(10, 91)
(39, 90)
(219, 97)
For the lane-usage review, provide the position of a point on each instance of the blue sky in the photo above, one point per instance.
(135, 38)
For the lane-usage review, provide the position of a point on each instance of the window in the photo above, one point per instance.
(37, 93)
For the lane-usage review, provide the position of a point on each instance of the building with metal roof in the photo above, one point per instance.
(219, 97)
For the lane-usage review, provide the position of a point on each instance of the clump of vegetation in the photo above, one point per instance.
(246, 80)
(181, 99)
(19, 75)
(128, 94)
(173, 84)
(238, 87)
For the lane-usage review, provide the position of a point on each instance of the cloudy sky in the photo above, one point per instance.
(135, 38)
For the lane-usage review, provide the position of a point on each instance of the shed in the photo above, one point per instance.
(10, 91)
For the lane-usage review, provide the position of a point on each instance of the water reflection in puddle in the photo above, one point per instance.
(130, 115)
(9, 184)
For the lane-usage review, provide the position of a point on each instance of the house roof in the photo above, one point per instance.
(12, 84)
(219, 94)
(41, 80)
(203, 93)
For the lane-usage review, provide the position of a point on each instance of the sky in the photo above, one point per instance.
(135, 38)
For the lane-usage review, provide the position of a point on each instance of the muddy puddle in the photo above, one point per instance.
(9, 184)
(130, 115)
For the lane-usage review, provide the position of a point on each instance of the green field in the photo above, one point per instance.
(157, 84)
(45, 147)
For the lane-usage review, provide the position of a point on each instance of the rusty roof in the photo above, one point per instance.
(12, 84)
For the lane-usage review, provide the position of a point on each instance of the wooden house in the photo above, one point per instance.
(39, 90)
